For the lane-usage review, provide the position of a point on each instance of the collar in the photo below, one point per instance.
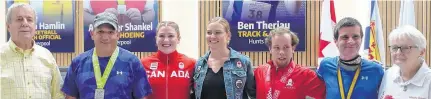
(166, 57)
(417, 78)
(16, 49)
(353, 68)
(354, 61)
(290, 65)
(232, 54)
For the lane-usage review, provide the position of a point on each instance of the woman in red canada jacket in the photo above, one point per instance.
(169, 72)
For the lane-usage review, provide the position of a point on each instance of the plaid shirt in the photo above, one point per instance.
(27, 74)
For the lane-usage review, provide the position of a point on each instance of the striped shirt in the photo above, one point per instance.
(27, 74)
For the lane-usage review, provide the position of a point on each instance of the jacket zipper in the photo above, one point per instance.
(167, 77)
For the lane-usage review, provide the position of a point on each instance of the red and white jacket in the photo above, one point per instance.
(290, 82)
(170, 75)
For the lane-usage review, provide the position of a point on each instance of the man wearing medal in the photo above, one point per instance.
(348, 76)
(106, 71)
(281, 78)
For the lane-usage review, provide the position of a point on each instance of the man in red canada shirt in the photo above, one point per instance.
(170, 73)
(281, 78)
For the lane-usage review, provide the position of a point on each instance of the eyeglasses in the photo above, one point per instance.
(403, 49)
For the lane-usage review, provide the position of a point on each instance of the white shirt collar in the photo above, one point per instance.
(417, 78)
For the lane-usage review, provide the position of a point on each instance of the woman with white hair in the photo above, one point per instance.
(409, 77)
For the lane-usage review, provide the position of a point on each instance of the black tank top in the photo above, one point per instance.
(213, 86)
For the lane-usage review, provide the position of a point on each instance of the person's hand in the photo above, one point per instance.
(134, 15)
(88, 17)
(148, 15)
(112, 10)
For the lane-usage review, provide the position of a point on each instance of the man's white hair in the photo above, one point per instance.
(16, 5)
(411, 33)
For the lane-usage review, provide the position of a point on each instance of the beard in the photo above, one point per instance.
(281, 63)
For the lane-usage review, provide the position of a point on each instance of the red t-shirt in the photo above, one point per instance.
(290, 82)
(170, 75)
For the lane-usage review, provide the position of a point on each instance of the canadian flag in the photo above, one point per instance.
(327, 47)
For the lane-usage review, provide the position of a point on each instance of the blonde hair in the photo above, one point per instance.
(169, 24)
(223, 22)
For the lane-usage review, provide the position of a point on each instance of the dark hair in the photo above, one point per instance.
(347, 22)
(281, 31)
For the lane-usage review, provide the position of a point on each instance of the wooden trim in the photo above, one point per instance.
(389, 11)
